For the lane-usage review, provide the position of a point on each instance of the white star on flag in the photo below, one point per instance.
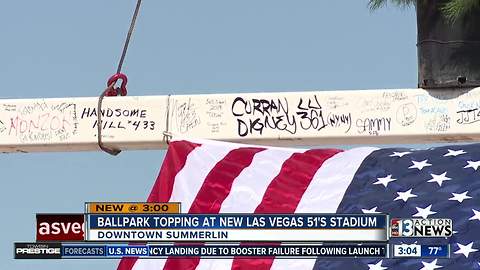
(476, 215)
(399, 154)
(420, 164)
(385, 180)
(371, 211)
(465, 250)
(404, 196)
(439, 178)
(454, 153)
(424, 212)
(431, 265)
(460, 197)
(377, 266)
(473, 164)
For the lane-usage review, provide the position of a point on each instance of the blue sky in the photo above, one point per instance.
(69, 48)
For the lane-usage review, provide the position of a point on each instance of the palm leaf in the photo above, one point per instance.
(456, 9)
(376, 4)
(452, 9)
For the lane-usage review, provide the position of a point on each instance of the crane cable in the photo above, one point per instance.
(111, 90)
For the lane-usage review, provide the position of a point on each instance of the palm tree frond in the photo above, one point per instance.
(376, 4)
(456, 9)
(452, 9)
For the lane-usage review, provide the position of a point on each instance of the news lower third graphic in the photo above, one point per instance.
(110, 229)
(236, 227)
(160, 251)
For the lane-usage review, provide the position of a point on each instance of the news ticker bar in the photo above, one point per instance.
(132, 208)
(223, 251)
(113, 251)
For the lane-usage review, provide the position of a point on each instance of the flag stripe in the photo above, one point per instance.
(190, 179)
(218, 183)
(284, 193)
(175, 160)
(250, 186)
(329, 184)
(286, 189)
(213, 192)
(187, 183)
(248, 190)
(325, 193)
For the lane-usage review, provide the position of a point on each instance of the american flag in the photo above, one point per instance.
(218, 177)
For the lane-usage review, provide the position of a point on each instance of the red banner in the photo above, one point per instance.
(60, 227)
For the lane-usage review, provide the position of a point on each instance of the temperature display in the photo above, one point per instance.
(417, 251)
(436, 251)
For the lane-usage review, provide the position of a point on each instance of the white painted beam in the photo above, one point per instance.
(285, 118)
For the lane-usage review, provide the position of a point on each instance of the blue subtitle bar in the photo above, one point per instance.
(237, 221)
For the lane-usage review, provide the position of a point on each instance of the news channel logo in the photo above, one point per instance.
(418, 227)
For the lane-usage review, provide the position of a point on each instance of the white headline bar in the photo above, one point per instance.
(237, 235)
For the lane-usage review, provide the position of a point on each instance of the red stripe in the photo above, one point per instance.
(214, 191)
(285, 192)
(174, 161)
